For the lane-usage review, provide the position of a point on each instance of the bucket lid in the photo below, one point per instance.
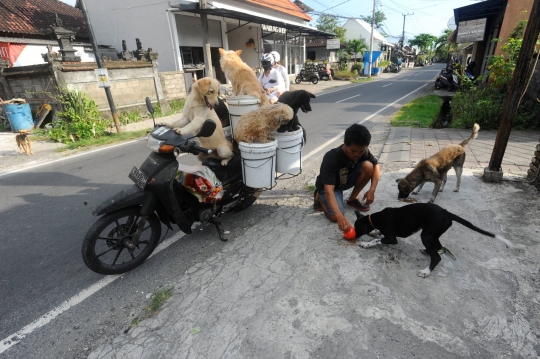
(243, 100)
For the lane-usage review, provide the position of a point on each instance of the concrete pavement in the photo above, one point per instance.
(406, 144)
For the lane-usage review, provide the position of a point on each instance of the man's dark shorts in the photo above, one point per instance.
(338, 192)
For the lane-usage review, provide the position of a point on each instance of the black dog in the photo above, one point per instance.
(407, 220)
(297, 100)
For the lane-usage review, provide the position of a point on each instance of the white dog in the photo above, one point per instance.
(198, 108)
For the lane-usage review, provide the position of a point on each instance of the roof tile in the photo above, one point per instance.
(35, 17)
(285, 6)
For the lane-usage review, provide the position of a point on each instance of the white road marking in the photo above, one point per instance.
(70, 157)
(324, 145)
(15, 338)
(348, 98)
(389, 84)
(8, 342)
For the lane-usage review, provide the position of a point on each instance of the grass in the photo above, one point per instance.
(363, 79)
(310, 188)
(158, 299)
(103, 140)
(422, 112)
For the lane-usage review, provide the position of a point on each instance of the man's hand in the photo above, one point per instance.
(343, 223)
(369, 197)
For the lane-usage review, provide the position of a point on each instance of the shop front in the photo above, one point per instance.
(234, 28)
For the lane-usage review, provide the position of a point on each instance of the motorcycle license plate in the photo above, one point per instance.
(138, 177)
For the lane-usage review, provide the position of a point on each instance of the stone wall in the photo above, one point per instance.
(173, 84)
(532, 173)
(129, 86)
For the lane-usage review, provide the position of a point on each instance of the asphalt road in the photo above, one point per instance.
(46, 212)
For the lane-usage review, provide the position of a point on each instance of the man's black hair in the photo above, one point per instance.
(357, 134)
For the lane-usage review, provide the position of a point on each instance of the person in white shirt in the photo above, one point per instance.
(271, 80)
(281, 69)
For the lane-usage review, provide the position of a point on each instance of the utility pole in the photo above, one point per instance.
(403, 36)
(100, 65)
(370, 65)
(206, 42)
(522, 72)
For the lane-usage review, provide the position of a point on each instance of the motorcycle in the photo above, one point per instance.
(312, 77)
(167, 192)
(448, 80)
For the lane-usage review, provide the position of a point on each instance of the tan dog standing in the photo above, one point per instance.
(24, 143)
(256, 125)
(198, 108)
(435, 168)
(243, 78)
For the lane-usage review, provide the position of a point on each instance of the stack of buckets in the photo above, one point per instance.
(19, 116)
(261, 161)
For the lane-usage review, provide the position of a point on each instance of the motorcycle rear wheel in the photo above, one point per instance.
(314, 80)
(104, 247)
(247, 201)
(298, 80)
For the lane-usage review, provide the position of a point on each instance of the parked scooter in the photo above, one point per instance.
(164, 192)
(447, 80)
(312, 77)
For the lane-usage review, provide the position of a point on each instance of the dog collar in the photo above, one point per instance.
(372, 225)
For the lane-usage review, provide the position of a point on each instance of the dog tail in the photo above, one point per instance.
(475, 130)
(479, 230)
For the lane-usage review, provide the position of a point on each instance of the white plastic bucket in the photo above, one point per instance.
(228, 133)
(239, 105)
(289, 151)
(258, 164)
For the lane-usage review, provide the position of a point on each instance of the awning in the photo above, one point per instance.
(480, 10)
(222, 10)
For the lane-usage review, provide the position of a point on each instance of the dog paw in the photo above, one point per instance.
(456, 190)
(415, 193)
(224, 162)
(179, 131)
(424, 273)
(442, 190)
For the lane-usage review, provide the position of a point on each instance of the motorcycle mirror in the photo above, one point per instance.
(150, 109)
(207, 129)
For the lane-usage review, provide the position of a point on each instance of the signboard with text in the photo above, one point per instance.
(102, 76)
(332, 44)
(470, 31)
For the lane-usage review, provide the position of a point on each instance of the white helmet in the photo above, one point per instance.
(277, 58)
(268, 58)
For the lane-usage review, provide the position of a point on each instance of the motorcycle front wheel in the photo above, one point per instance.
(298, 80)
(314, 80)
(105, 248)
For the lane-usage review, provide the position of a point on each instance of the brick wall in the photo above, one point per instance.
(532, 173)
(173, 84)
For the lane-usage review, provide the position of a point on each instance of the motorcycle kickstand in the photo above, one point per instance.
(217, 221)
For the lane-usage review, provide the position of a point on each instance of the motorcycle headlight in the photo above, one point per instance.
(153, 143)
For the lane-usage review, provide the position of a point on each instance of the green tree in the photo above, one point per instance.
(355, 46)
(380, 17)
(423, 41)
(442, 47)
(329, 23)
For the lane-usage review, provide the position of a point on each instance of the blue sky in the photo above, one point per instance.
(430, 16)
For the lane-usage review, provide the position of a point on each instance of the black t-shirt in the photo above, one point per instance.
(336, 165)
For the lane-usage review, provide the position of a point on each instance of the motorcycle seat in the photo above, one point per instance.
(225, 173)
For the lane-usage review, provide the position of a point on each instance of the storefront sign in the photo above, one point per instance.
(332, 44)
(270, 28)
(470, 31)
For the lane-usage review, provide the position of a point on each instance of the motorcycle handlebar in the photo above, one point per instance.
(192, 148)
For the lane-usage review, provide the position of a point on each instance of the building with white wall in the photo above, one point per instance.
(173, 29)
(359, 29)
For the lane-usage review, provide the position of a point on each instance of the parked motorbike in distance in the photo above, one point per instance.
(447, 80)
(312, 77)
(392, 68)
(167, 192)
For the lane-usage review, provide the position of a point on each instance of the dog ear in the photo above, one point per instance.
(399, 179)
(204, 85)
(238, 52)
(358, 214)
(312, 95)
(221, 51)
